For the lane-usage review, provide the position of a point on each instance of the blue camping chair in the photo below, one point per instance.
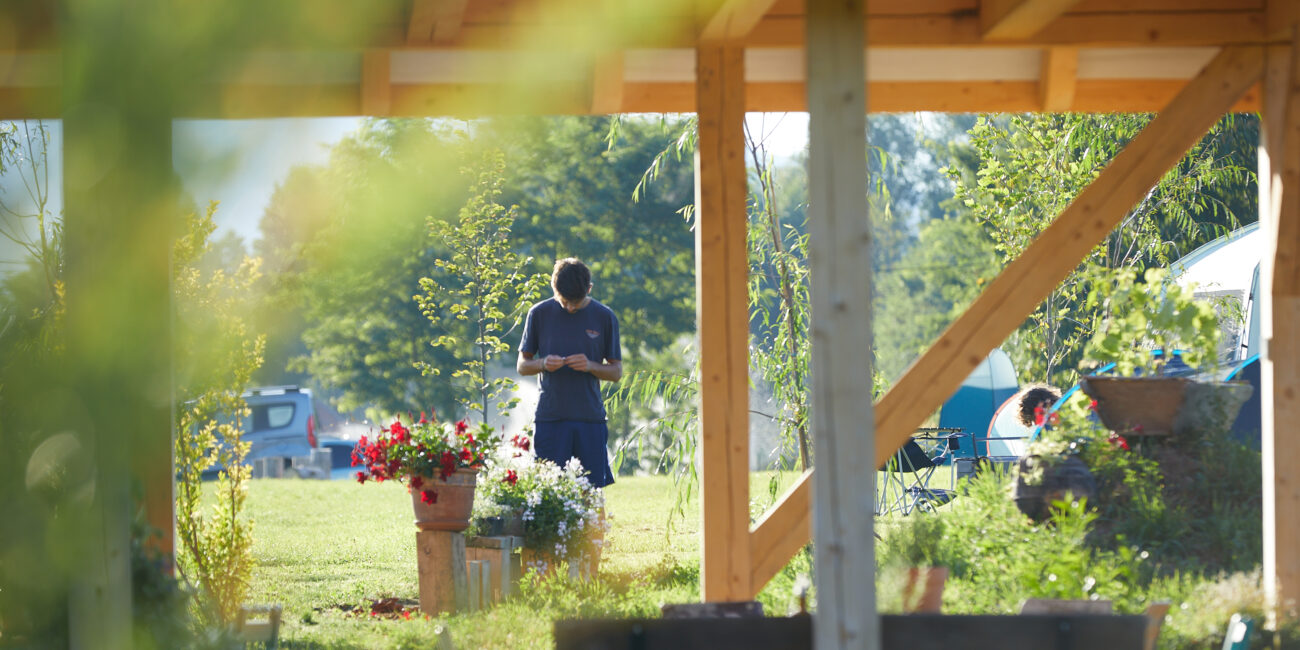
(909, 473)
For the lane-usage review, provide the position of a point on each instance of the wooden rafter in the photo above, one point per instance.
(607, 83)
(1016, 19)
(734, 19)
(376, 83)
(1059, 79)
(435, 22)
(1041, 267)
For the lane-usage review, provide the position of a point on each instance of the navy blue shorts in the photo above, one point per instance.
(587, 441)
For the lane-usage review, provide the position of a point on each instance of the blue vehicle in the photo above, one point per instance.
(280, 430)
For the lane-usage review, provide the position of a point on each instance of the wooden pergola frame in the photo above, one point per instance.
(1192, 60)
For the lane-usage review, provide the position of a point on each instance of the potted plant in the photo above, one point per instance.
(1148, 327)
(438, 463)
(561, 513)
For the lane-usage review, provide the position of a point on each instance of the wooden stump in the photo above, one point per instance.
(444, 586)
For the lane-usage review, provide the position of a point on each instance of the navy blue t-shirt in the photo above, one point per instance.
(568, 394)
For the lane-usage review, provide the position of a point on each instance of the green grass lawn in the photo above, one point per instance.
(320, 545)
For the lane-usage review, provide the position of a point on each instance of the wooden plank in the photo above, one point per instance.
(721, 275)
(734, 20)
(839, 243)
(1016, 19)
(607, 83)
(1060, 78)
(1092, 215)
(779, 534)
(376, 83)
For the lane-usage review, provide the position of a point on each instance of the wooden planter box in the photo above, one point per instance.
(911, 631)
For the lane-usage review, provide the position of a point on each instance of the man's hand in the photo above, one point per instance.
(578, 362)
(554, 362)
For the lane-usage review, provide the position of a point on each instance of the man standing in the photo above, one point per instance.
(572, 341)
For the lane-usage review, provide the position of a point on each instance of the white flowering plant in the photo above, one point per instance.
(562, 511)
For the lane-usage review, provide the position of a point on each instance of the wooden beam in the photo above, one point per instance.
(435, 22)
(839, 252)
(722, 305)
(376, 83)
(1026, 281)
(1118, 30)
(607, 83)
(1057, 250)
(1092, 95)
(780, 533)
(734, 20)
(1059, 79)
(1016, 19)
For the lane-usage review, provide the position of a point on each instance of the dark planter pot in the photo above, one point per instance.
(1064, 480)
(512, 523)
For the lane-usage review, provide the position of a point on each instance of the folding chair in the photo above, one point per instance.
(907, 481)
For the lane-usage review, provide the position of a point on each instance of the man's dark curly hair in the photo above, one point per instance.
(1034, 396)
(571, 279)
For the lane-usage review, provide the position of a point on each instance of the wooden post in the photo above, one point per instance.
(839, 241)
(722, 306)
(1279, 184)
(440, 559)
(121, 213)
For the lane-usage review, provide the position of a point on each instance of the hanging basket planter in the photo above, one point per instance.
(1137, 406)
(452, 504)
(1154, 406)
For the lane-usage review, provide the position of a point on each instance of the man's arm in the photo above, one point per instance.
(527, 365)
(611, 370)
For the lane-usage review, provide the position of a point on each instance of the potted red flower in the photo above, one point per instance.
(438, 463)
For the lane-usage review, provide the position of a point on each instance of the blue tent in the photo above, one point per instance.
(972, 407)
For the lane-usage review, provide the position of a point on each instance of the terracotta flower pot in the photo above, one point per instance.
(451, 507)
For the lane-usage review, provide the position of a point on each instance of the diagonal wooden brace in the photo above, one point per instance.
(1025, 282)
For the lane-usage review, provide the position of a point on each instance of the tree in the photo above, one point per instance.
(362, 259)
(1031, 166)
(216, 354)
(482, 282)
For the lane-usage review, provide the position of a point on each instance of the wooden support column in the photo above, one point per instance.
(839, 242)
(1279, 182)
(121, 216)
(1024, 283)
(722, 307)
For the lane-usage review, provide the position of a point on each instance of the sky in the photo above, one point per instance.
(239, 163)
